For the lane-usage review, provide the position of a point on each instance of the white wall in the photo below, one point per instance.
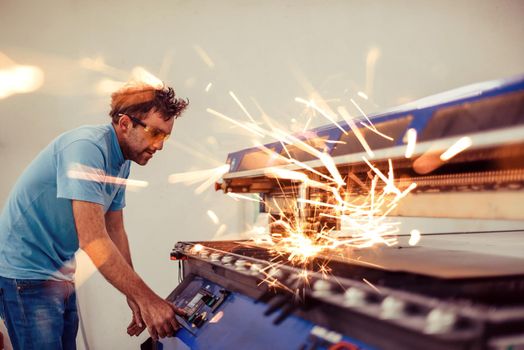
(270, 50)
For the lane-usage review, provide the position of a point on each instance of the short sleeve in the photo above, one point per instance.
(80, 172)
(119, 202)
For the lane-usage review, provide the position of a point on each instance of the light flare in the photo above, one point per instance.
(18, 79)
(411, 136)
(86, 173)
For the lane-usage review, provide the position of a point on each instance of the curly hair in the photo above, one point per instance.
(139, 99)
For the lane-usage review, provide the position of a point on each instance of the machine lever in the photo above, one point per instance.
(286, 311)
(278, 302)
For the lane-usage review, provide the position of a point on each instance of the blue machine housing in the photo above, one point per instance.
(435, 117)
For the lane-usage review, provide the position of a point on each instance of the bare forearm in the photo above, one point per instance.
(115, 229)
(95, 241)
(113, 266)
(122, 244)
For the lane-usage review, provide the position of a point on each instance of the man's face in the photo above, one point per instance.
(140, 142)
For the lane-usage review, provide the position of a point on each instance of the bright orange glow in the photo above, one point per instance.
(18, 79)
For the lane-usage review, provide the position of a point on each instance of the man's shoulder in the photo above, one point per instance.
(96, 134)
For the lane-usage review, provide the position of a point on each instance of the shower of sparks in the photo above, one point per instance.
(459, 146)
(360, 205)
(411, 136)
(364, 215)
(213, 217)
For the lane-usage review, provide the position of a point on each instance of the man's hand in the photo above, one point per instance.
(159, 316)
(137, 325)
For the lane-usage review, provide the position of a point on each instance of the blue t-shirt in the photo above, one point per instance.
(38, 238)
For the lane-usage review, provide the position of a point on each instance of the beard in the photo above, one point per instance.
(138, 154)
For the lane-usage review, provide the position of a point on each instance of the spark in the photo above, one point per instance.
(241, 106)
(204, 56)
(411, 135)
(372, 286)
(369, 125)
(376, 131)
(361, 111)
(208, 177)
(192, 177)
(459, 146)
(220, 230)
(256, 198)
(250, 128)
(192, 150)
(208, 86)
(356, 130)
(363, 95)
(312, 104)
(371, 61)
(213, 217)
(414, 237)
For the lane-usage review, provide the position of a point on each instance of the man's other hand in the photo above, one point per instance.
(137, 325)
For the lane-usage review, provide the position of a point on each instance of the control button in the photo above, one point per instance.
(255, 269)
(240, 264)
(215, 257)
(392, 308)
(227, 259)
(322, 288)
(200, 320)
(354, 297)
(440, 321)
(275, 273)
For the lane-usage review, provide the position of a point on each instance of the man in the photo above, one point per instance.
(72, 196)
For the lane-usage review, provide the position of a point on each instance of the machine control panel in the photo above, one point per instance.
(200, 301)
(216, 318)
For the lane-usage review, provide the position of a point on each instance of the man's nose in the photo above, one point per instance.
(158, 145)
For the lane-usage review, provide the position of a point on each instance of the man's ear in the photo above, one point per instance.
(123, 122)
